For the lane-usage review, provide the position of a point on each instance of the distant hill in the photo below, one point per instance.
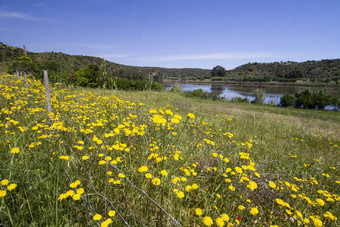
(324, 70)
(71, 63)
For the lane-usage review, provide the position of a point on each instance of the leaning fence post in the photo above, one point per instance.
(48, 96)
(18, 74)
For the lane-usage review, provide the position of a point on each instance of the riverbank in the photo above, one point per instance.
(252, 84)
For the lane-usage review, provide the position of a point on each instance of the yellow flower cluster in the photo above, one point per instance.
(6, 186)
(199, 169)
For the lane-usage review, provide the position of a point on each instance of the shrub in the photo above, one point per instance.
(304, 99)
(217, 78)
(239, 99)
(157, 86)
(176, 88)
(82, 81)
(322, 99)
(310, 100)
(138, 85)
(202, 94)
(260, 95)
(197, 92)
(287, 100)
(335, 102)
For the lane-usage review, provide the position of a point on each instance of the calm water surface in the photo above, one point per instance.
(273, 93)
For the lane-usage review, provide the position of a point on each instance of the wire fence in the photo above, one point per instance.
(86, 200)
(125, 177)
(107, 200)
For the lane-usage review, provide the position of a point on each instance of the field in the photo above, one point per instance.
(115, 158)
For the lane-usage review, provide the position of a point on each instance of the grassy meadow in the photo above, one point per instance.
(116, 158)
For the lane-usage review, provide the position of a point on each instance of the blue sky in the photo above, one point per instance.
(176, 33)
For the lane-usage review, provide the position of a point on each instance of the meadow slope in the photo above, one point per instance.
(191, 162)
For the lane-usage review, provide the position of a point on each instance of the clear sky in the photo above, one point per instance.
(176, 33)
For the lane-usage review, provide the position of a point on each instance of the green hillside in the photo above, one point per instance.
(324, 70)
(71, 63)
(314, 71)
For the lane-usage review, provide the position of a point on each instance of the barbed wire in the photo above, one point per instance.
(91, 209)
(125, 177)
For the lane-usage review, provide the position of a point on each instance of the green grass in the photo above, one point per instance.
(295, 149)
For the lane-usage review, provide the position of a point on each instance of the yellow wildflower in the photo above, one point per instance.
(180, 194)
(76, 197)
(4, 182)
(11, 187)
(156, 181)
(254, 211)
(80, 191)
(208, 221)
(112, 213)
(143, 169)
(320, 202)
(2, 193)
(272, 184)
(191, 115)
(225, 217)
(164, 172)
(15, 150)
(219, 222)
(198, 211)
(97, 217)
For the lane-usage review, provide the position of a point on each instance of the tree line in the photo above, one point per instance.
(93, 75)
(309, 99)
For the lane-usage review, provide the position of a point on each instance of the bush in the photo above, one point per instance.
(176, 88)
(157, 86)
(305, 99)
(240, 99)
(137, 85)
(260, 95)
(82, 81)
(287, 100)
(335, 102)
(322, 99)
(217, 79)
(309, 99)
(199, 93)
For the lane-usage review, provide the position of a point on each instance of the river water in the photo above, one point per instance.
(229, 91)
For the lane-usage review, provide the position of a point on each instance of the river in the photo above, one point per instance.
(229, 91)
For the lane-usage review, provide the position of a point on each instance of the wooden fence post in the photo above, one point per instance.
(48, 96)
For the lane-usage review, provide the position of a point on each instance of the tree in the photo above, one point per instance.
(335, 102)
(305, 99)
(287, 100)
(322, 99)
(24, 64)
(260, 96)
(89, 77)
(218, 71)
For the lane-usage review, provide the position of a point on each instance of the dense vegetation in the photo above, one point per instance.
(309, 99)
(91, 76)
(69, 64)
(325, 71)
(205, 163)
(314, 71)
